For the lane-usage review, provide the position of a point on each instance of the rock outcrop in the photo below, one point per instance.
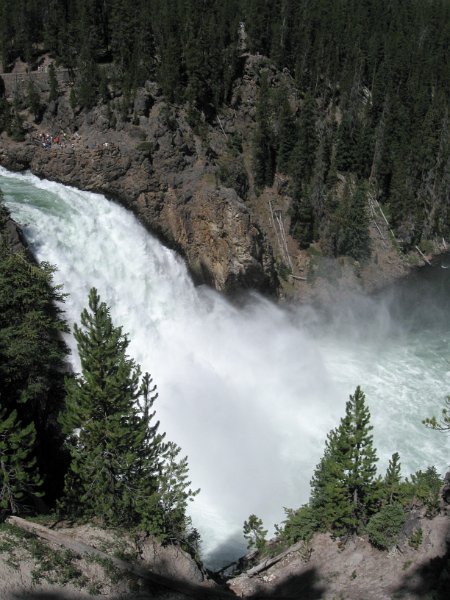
(190, 182)
(162, 171)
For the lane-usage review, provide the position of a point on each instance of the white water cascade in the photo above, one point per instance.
(248, 393)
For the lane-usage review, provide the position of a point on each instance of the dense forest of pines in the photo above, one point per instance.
(371, 80)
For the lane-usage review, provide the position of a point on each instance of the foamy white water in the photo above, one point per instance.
(249, 393)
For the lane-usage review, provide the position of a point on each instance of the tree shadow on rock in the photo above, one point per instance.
(304, 586)
(62, 595)
(431, 580)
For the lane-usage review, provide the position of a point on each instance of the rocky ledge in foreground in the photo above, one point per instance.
(331, 570)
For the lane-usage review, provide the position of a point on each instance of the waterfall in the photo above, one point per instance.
(249, 393)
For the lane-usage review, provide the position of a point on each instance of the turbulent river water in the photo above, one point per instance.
(251, 392)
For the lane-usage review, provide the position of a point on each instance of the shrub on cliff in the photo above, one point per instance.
(384, 527)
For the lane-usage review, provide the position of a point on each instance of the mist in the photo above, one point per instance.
(248, 392)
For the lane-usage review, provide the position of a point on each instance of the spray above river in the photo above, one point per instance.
(249, 394)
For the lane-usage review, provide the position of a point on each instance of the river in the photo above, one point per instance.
(249, 393)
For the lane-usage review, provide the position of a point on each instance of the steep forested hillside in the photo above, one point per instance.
(370, 79)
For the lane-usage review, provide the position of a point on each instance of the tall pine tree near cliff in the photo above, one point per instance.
(343, 489)
(122, 471)
(115, 447)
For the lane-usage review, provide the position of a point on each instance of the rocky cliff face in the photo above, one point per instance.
(191, 184)
(162, 171)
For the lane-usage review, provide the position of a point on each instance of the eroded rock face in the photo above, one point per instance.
(170, 561)
(162, 172)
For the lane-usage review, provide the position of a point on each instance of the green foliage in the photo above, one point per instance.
(146, 149)
(19, 477)
(166, 517)
(32, 355)
(54, 566)
(302, 228)
(115, 453)
(424, 488)
(384, 527)
(254, 533)
(299, 524)
(353, 224)
(285, 128)
(302, 156)
(232, 174)
(444, 423)
(344, 492)
(121, 472)
(354, 70)
(5, 114)
(263, 151)
(416, 538)
(392, 480)
(88, 78)
(15, 125)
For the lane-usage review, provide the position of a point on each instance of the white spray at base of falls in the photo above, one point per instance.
(249, 393)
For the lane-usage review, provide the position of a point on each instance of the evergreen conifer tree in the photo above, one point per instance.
(343, 489)
(19, 477)
(263, 152)
(303, 153)
(165, 515)
(329, 493)
(116, 450)
(32, 355)
(444, 423)
(285, 131)
(353, 237)
(254, 533)
(122, 471)
(392, 480)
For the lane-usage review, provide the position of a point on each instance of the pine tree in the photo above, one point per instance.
(167, 518)
(32, 355)
(329, 494)
(254, 533)
(392, 480)
(285, 131)
(19, 477)
(115, 452)
(4, 108)
(353, 237)
(343, 489)
(444, 423)
(122, 471)
(303, 153)
(361, 457)
(263, 152)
